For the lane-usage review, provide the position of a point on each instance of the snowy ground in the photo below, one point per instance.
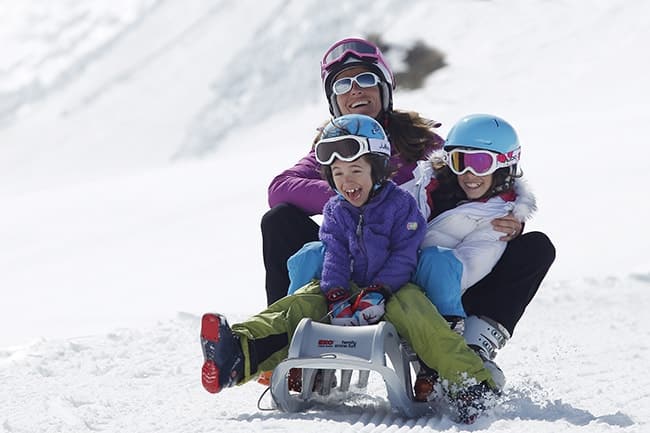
(581, 373)
(137, 139)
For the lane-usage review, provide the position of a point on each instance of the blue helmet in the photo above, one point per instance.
(349, 137)
(359, 126)
(354, 124)
(483, 131)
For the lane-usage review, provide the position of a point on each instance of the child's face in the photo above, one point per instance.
(473, 185)
(353, 180)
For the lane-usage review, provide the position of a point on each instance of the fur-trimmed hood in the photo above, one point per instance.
(525, 203)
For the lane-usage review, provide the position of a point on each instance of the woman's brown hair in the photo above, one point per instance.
(411, 135)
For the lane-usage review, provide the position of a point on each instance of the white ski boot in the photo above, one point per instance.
(486, 336)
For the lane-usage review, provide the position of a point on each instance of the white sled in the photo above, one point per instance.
(318, 346)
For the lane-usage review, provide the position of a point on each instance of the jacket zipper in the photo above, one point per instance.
(360, 232)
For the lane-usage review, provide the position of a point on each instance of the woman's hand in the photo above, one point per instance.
(508, 225)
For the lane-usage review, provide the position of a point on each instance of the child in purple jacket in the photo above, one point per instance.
(371, 229)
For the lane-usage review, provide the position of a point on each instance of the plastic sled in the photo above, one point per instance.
(318, 346)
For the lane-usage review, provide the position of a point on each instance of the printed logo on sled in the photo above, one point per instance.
(350, 344)
(325, 343)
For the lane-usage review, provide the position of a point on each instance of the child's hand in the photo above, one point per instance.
(340, 309)
(364, 309)
(343, 315)
(369, 307)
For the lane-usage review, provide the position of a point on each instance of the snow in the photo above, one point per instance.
(137, 139)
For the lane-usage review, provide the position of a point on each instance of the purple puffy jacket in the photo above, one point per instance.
(374, 244)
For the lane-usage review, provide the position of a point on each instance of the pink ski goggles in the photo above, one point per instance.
(479, 162)
(357, 47)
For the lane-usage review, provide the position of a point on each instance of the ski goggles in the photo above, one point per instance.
(356, 47)
(363, 80)
(479, 162)
(348, 148)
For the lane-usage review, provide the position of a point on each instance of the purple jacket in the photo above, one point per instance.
(381, 240)
(303, 187)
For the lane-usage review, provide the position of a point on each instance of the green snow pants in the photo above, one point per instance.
(416, 319)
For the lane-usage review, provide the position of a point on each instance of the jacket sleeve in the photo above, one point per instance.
(407, 234)
(337, 260)
(301, 186)
(479, 252)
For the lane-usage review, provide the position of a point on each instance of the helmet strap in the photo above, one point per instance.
(334, 106)
(386, 103)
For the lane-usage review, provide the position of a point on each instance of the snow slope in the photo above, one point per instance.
(137, 139)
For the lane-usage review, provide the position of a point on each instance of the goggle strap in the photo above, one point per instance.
(378, 145)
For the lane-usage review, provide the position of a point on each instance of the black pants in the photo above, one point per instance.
(502, 295)
(285, 229)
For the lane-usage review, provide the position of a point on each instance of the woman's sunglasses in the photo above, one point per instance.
(363, 80)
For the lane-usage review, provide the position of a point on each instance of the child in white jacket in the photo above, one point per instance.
(460, 190)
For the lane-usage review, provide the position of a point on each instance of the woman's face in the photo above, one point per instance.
(473, 185)
(353, 180)
(359, 100)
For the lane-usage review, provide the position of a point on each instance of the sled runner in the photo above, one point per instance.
(318, 346)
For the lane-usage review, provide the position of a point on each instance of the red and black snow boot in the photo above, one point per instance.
(223, 364)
